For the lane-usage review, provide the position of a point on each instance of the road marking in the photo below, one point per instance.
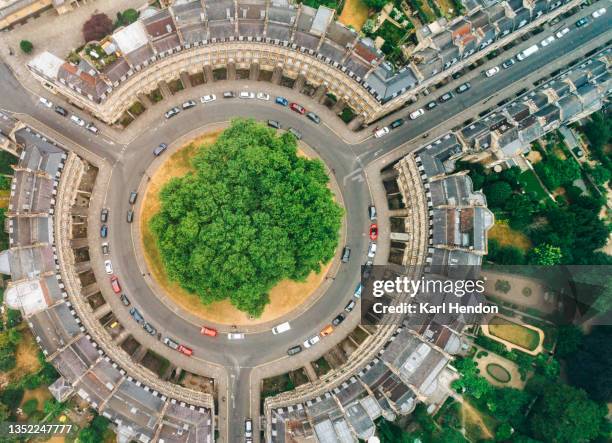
(347, 177)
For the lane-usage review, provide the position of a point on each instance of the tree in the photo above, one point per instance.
(26, 46)
(126, 17)
(503, 432)
(470, 382)
(569, 338)
(30, 406)
(497, 193)
(520, 209)
(251, 214)
(546, 255)
(507, 404)
(555, 172)
(97, 27)
(376, 5)
(563, 413)
(599, 174)
(11, 397)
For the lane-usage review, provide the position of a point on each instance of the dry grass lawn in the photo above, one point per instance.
(514, 333)
(506, 236)
(474, 423)
(26, 355)
(284, 297)
(534, 156)
(354, 13)
(4, 198)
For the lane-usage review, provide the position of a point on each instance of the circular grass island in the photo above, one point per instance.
(498, 372)
(247, 215)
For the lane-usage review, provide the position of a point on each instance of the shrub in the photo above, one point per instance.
(26, 46)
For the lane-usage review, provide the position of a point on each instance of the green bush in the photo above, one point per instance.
(12, 397)
(30, 406)
(26, 46)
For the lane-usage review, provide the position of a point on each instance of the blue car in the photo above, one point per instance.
(282, 101)
(103, 231)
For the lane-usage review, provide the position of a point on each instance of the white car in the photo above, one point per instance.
(246, 94)
(547, 41)
(381, 132)
(372, 250)
(208, 98)
(45, 102)
(92, 128)
(108, 266)
(416, 114)
(491, 72)
(599, 12)
(562, 32)
(312, 341)
(77, 120)
(235, 335)
(263, 96)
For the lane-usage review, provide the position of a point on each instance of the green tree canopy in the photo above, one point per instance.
(26, 46)
(251, 214)
(498, 193)
(546, 255)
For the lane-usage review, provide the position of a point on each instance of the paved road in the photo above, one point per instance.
(132, 160)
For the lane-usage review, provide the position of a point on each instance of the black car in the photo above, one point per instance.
(228, 94)
(274, 124)
(161, 148)
(150, 329)
(294, 350)
(103, 231)
(346, 254)
(432, 104)
(130, 216)
(61, 111)
(508, 63)
(463, 88)
(133, 197)
(314, 117)
(104, 215)
(338, 319)
(124, 299)
(396, 123)
(445, 97)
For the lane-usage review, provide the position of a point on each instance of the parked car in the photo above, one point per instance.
(185, 350)
(229, 94)
(172, 112)
(189, 104)
(91, 128)
(372, 250)
(130, 216)
(598, 13)
(432, 104)
(263, 96)
(105, 248)
(562, 32)
(346, 254)
(235, 336)
(108, 267)
(281, 101)
(103, 231)
(294, 350)
(327, 330)
(311, 341)
(104, 215)
(149, 328)
(208, 98)
(381, 132)
(373, 231)
(137, 316)
(372, 212)
(445, 97)
(338, 319)
(77, 120)
(279, 329)
(297, 134)
(61, 111)
(416, 114)
(366, 270)
(133, 197)
(350, 306)
(124, 300)
(313, 117)
(160, 149)
(297, 108)
(358, 290)
(396, 123)
(274, 124)
(248, 428)
(211, 332)
(46, 103)
(247, 94)
(170, 343)
(492, 71)
(547, 41)
(584, 21)
(463, 87)
(508, 63)
(115, 284)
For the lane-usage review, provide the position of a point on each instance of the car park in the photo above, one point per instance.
(281, 101)
(372, 250)
(160, 149)
(189, 104)
(562, 32)
(229, 94)
(358, 290)
(274, 124)
(297, 108)
(91, 128)
(77, 120)
(584, 21)
(105, 248)
(208, 98)
(115, 284)
(170, 343)
(137, 316)
(463, 87)
(263, 96)
(492, 71)
(185, 350)
(211, 332)
(396, 123)
(432, 104)
(149, 328)
(416, 114)
(327, 330)
(279, 329)
(381, 132)
(350, 306)
(346, 254)
(508, 63)
(311, 341)
(598, 13)
(338, 319)
(248, 428)
(297, 134)
(372, 212)
(104, 215)
(294, 350)
(445, 97)
(124, 300)
(235, 335)
(133, 197)
(313, 117)
(61, 111)
(373, 231)
(46, 103)
(172, 112)
(130, 216)
(247, 95)
(547, 41)
(103, 231)
(108, 267)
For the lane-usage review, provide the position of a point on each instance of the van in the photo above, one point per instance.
(133, 196)
(527, 52)
(279, 329)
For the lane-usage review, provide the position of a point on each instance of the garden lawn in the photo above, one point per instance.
(354, 13)
(530, 183)
(514, 333)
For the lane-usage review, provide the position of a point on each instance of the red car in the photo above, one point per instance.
(208, 331)
(185, 350)
(115, 284)
(373, 231)
(297, 108)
